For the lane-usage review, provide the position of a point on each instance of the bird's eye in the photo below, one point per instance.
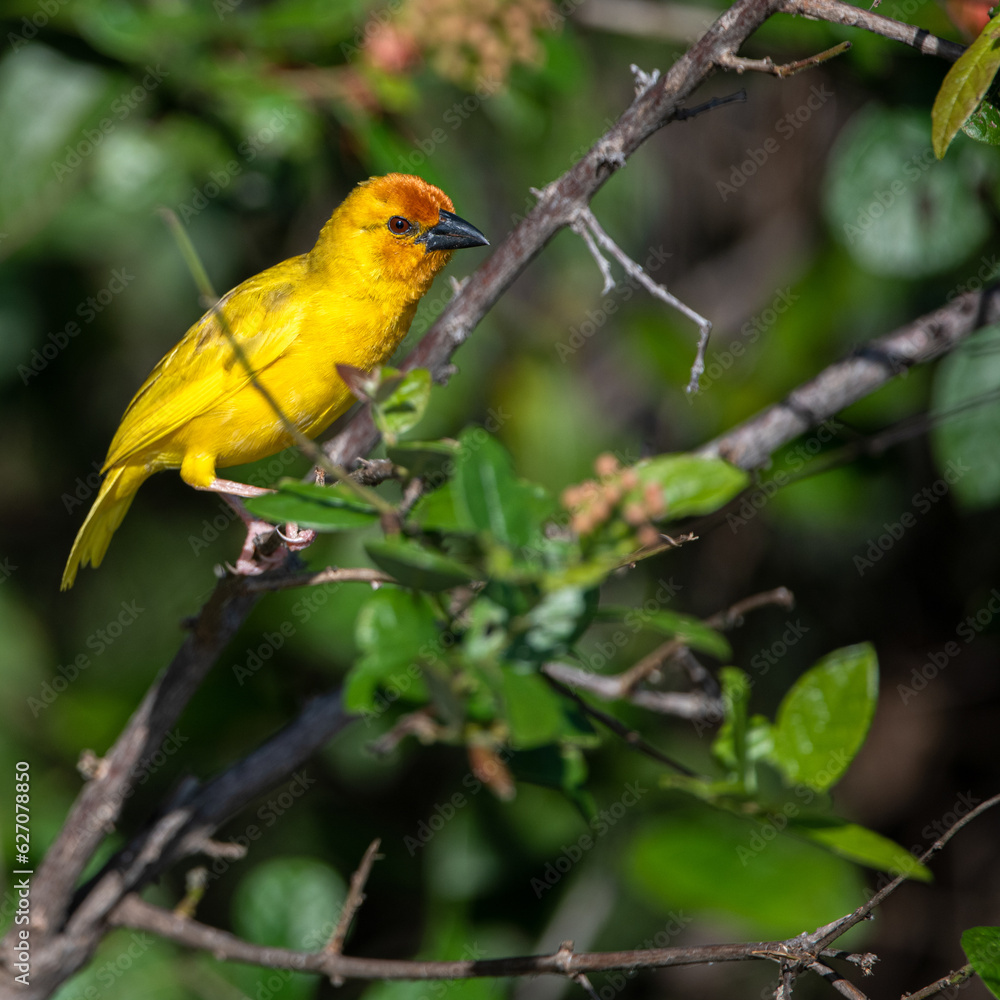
(399, 225)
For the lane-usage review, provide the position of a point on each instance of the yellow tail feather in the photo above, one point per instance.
(109, 508)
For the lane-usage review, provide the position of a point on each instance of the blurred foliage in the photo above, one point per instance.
(803, 223)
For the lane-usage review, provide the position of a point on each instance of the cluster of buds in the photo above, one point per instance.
(593, 502)
(473, 42)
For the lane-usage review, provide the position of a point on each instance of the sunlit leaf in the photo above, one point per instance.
(965, 86)
(982, 947)
(824, 718)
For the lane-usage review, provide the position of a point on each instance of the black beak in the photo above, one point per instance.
(452, 233)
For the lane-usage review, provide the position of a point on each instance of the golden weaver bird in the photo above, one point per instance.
(350, 300)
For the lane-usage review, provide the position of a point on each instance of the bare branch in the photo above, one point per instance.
(768, 65)
(948, 982)
(355, 897)
(837, 12)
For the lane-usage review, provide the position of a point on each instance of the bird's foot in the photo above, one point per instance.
(252, 560)
(296, 538)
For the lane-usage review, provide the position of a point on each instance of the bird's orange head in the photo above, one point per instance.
(395, 230)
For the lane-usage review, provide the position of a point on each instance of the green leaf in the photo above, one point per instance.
(823, 719)
(703, 861)
(281, 902)
(965, 86)
(433, 461)
(857, 843)
(394, 629)
(966, 426)
(982, 948)
(415, 566)
(984, 124)
(488, 495)
(534, 710)
(897, 210)
(439, 511)
(691, 484)
(692, 631)
(401, 401)
(322, 508)
(555, 620)
(730, 744)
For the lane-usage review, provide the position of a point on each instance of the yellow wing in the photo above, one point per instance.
(203, 369)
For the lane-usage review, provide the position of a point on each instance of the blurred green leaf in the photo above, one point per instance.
(396, 630)
(309, 505)
(708, 861)
(964, 86)
(982, 948)
(897, 209)
(534, 710)
(730, 744)
(401, 401)
(413, 565)
(824, 718)
(555, 620)
(691, 484)
(692, 631)
(431, 460)
(857, 843)
(288, 903)
(966, 427)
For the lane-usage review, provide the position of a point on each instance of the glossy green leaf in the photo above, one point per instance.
(401, 401)
(966, 427)
(396, 631)
(857, 843)
(439, 511)
(965, 86)
(413, 565)
(824, 718)
(488, 495)
(322, 508)
(670, 623)
(534, 710)
(982, 948)
(984, 124)
(691, 484)
(433, 461)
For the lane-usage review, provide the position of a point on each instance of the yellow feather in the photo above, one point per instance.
(350, 300)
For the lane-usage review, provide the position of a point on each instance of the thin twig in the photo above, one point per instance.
(332, 574)
(767, 65)
(629, 736)
(355, 897)
(948, 982)
(584, 220)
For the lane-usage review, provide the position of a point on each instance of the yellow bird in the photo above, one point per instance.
(350, 300)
